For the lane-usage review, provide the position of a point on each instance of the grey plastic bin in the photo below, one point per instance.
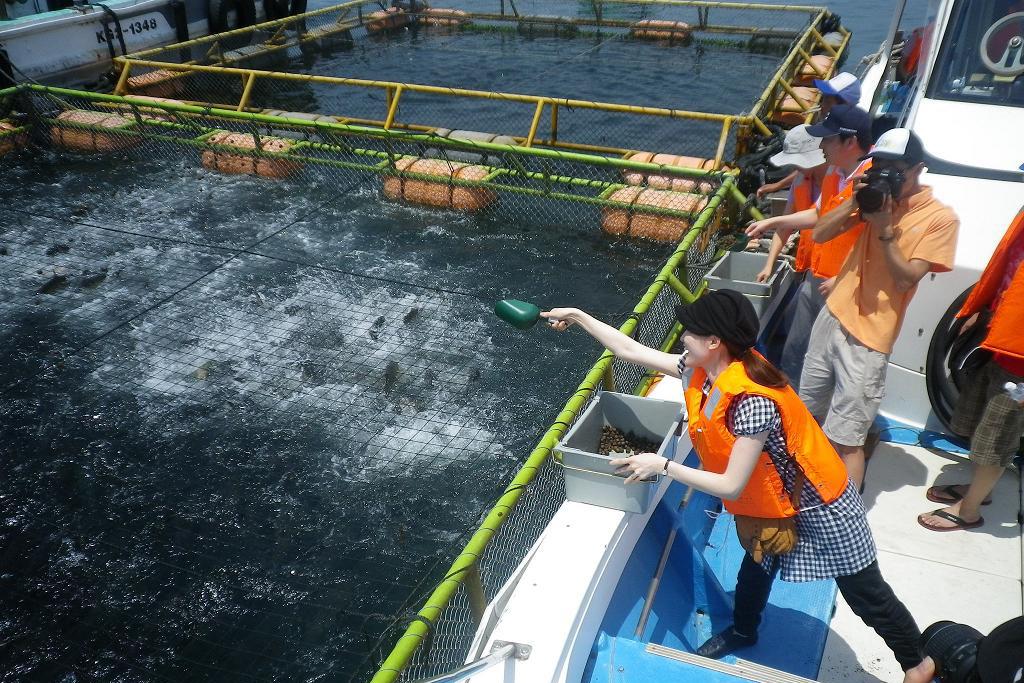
(589, 476)
(738, 270)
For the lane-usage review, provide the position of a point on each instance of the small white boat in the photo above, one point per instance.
(90, 35)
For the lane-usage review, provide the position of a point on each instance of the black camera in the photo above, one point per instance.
(954, 649)
(880, 183)
(961, 655)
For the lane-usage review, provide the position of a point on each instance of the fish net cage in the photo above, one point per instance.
(235, 390)
(229, 354)
(607, 77)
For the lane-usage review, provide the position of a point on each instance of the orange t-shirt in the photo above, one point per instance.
(865, 299)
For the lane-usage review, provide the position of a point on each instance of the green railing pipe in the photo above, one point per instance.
(348, 129)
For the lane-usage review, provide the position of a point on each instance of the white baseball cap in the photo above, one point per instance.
(799, 149)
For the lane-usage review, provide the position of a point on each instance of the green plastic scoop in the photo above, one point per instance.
(521, 314)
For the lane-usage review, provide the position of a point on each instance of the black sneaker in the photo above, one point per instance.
(721, 644)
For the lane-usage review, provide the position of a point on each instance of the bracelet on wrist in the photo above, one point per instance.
(664, 470)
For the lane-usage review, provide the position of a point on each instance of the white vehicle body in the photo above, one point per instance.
(87, 33)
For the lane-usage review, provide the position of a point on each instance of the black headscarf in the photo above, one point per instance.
(725, 314)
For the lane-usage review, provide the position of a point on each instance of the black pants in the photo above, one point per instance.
(866, 592)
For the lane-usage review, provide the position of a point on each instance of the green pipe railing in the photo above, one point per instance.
(417, 632)
(200, 142)
(379, 133)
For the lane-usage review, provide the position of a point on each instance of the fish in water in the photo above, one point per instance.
(203, 371)
(375, 330)
(53, 285)
(93, 280)
(58, 249)
(391, 375)
(413, 313)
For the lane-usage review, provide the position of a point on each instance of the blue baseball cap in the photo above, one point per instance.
(844, 119)
(843, 85)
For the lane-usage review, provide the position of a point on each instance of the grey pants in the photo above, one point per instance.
(807, 303)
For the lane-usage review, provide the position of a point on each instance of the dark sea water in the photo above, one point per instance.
(245, 425)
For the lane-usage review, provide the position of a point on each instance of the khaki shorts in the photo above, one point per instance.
(842, 381)
(985, 413)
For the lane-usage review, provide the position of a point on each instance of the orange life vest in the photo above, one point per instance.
(912, 51)
(827, 258)
(1005, 331)
(803, 198)
(764, 495)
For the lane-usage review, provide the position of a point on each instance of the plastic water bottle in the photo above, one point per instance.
(1016, 391)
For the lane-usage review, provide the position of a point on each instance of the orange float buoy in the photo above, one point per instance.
(443, 16)
(254, 164)
(152, 112)
(818, 67)
(9, 143)
(636, 222)
(159, 83)
(442, 193)
(667, 182)
(661, 29)
(789, 113)
(78, 139)
(390, 19)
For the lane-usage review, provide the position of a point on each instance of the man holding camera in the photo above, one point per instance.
(905, 234)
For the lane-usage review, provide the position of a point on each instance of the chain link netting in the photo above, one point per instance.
(504, 182)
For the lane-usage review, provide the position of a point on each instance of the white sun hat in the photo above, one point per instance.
(799, 149)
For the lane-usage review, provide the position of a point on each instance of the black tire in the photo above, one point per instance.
(275, 9)
(245, 11)
(942, 382)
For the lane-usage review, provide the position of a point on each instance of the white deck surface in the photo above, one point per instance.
(972, 577)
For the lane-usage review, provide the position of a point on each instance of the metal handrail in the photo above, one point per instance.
(499, 653)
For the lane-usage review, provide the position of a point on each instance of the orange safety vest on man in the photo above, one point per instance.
(765, 495)
(1006, 330)
(803, 198)
(827, 258)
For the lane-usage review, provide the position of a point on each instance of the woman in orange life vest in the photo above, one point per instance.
(756, 439)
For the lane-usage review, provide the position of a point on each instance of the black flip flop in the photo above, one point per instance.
(961, 523)
(949, 495)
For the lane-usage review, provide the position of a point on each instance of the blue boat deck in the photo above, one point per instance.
(694, 601)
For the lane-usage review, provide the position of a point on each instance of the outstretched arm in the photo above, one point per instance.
(728, 485)
(801, 220)
(779, 240)
(623, 346)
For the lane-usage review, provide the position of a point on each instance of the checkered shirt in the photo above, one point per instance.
(833, 539)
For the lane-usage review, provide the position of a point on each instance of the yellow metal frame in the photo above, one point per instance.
(393, 91)
(770, 100)
(764, 108)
